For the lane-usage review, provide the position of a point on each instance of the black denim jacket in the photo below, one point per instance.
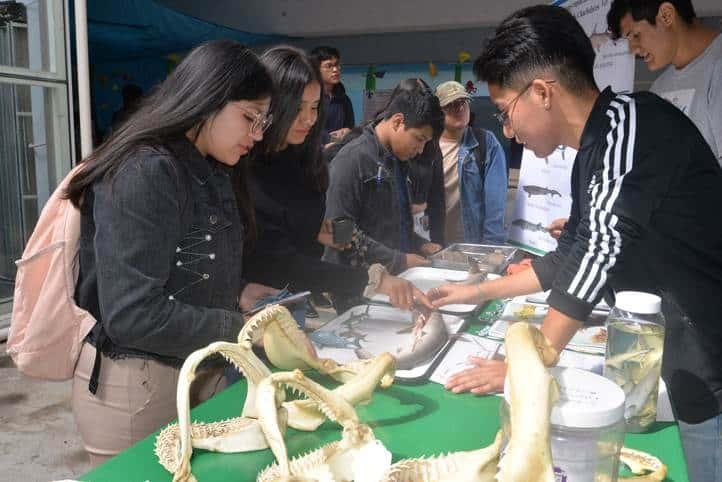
(160, 255)
(362, 187)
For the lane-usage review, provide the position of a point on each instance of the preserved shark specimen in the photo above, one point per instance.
(428, 337)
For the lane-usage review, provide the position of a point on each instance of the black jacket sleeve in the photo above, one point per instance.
(622, 196)
(276, 260)
(344, 198)
(348, 117)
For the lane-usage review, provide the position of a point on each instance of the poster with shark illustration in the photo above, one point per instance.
(614, 64)
(544, 192)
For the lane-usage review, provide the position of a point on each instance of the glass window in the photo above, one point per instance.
(34, 124)
(34, 155)
(31, 35)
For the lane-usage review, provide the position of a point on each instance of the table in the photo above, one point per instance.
(410, 420)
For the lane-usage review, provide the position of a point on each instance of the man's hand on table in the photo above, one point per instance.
(414, 260)
(454, 294)
(427, 249)
(402, 293)
(486, 376)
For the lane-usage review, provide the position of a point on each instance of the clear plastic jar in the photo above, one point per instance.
(587, 426)
(635, 342)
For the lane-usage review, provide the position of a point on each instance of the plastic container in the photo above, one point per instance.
(635, 342)
(587, 426)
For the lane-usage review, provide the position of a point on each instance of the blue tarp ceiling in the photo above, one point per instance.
(128, 29)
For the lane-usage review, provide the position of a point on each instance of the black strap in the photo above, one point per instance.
(93, 383)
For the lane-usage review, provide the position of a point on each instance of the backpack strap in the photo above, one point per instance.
(93, 382)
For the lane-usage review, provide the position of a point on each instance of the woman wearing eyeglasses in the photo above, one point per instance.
(164, 212)
(288, 182)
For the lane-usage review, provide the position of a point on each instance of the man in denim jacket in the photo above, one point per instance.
(475, 178)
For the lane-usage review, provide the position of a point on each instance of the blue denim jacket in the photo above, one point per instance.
(482, 201)
(160, 255)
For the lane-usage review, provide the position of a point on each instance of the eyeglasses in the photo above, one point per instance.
(456, 106)
(330, 66)
(505, 115)
(259, 122)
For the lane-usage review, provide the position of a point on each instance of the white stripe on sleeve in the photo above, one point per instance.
(605, 241)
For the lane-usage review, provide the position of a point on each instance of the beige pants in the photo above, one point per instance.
(135, 398)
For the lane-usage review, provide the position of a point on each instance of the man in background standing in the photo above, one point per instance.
(337, 105)
(667, 35)
(475, 176)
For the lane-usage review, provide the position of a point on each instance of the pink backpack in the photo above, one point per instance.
(47, 328)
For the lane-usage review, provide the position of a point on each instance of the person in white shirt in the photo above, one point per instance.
(668, 35)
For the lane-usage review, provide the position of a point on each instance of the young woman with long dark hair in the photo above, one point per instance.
(289, 181)
(164, 216)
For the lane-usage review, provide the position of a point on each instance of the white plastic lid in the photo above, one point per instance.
(586, 400)
(638, 302)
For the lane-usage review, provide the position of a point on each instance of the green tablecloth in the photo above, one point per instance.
(410, 420)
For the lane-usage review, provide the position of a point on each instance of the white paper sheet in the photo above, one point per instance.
(457, 358)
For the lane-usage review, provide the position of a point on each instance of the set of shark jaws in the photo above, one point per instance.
(521, 452)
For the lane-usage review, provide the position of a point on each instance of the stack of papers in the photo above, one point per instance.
(541, 298)
(591, 339)
(533, 309)
(467, 345)
(457, 358)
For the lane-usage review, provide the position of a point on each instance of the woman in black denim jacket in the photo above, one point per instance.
(164, 210)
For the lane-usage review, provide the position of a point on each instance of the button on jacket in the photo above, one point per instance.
(160, 255)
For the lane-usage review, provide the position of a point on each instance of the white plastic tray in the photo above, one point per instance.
(378, 329)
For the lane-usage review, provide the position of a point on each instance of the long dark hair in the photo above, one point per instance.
(209, 77)
(292, 70)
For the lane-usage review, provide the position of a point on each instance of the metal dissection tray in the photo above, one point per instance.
(366, 331)
(486, 257)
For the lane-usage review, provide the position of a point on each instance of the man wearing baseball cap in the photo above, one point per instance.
(475, 178)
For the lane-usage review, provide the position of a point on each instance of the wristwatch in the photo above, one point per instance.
(376, 273)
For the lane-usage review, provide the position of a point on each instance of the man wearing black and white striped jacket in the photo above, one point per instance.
(647, 195)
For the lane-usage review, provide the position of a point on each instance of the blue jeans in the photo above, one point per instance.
(702, 444)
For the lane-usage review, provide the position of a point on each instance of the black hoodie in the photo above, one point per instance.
(339, 112)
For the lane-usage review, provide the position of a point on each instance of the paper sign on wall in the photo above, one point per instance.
(543, 195)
